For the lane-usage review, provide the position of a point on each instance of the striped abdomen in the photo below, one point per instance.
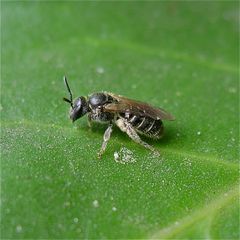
(146, 125)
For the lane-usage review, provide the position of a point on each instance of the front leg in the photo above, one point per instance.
(125, 126)
(106, 138)
(89, 121)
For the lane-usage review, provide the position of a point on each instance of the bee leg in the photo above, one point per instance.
(125, 126)
(89, 121)
(106, 138)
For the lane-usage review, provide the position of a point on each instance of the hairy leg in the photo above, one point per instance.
(125, 126)
(106, 138)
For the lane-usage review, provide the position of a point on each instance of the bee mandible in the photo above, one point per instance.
(131, 116)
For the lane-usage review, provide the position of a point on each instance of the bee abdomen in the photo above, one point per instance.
(146, 125)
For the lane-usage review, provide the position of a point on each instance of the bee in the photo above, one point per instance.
(131, 116)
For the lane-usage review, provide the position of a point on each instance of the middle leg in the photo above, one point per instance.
(106, 138)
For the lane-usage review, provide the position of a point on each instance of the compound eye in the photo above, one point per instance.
(78, 103)
(79, 109)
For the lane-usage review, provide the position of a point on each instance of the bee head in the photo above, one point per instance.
(79, 107)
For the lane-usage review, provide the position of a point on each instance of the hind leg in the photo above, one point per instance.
(125, 126)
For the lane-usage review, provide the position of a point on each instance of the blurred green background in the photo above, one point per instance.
(182, 56)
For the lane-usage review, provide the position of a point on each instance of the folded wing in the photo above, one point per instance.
(124, 104)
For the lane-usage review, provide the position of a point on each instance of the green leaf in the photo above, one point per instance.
(181, 56)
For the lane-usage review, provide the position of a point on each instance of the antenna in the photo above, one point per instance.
(70, 93)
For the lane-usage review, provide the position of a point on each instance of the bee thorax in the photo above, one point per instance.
(100, 116)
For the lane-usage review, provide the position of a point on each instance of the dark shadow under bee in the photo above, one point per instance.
(130, 116)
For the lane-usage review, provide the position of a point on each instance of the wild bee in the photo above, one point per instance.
(129, 115)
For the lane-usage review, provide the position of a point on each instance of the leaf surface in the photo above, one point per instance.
(175, 55)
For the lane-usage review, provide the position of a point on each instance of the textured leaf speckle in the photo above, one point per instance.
(180, 56)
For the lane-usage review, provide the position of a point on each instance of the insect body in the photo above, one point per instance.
(129, 115)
